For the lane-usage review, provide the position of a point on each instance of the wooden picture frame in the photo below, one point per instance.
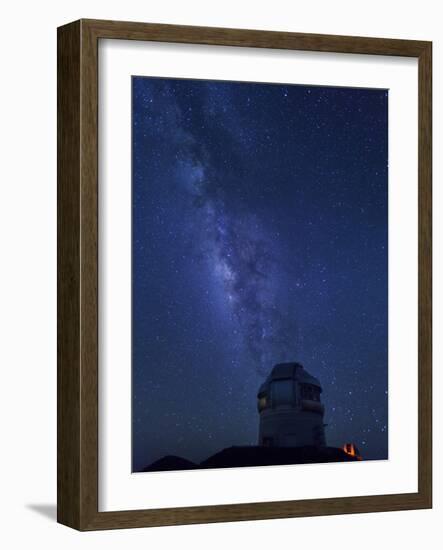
(78, 274)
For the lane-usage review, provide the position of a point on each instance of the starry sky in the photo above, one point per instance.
(260, 235)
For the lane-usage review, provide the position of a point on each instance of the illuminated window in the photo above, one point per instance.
(262, 402)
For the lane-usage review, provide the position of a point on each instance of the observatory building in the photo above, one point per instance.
(291, 428)
(291, 414)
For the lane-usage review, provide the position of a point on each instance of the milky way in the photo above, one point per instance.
(240, 253)
(259, 236)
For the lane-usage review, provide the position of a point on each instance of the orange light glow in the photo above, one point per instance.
(351, 450)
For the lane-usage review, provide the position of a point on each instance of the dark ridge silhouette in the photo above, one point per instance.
(268, 456)
(235, 457)
(170, 462)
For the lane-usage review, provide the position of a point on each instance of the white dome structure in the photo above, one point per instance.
(291, 413)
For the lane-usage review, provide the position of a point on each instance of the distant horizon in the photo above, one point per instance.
(260, 235)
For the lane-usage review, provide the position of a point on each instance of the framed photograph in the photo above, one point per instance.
(244, 274)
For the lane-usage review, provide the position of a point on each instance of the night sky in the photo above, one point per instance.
(260, 235)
